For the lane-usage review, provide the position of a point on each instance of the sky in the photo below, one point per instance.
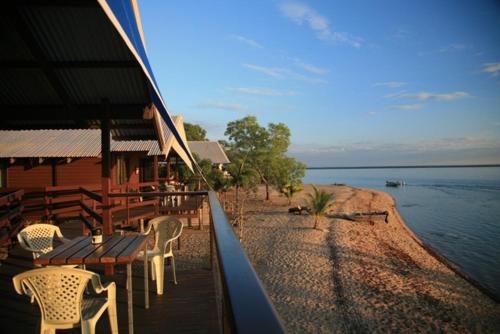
(357, 82)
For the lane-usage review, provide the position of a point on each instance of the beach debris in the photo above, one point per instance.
(395, 183)
(360, 216)
(298, 210)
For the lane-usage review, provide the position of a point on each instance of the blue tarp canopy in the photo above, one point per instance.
(68, 64)
(124, 16)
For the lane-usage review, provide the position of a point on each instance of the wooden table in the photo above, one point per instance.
(114, 249)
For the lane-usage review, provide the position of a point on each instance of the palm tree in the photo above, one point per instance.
(319, 202)
(289, 190)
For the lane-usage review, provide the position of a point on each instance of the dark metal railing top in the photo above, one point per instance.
(250, 307)
(158, 193)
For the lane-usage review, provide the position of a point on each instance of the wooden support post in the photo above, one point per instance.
(46, 200)
(127, 206)
(168, 168)
(177, 177)
(53, 163)
(155, 179)
(106, 176)
(155, 168)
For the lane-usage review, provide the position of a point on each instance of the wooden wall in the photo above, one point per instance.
(22, 176)
(81, 171)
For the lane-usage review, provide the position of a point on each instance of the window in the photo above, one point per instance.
(147, 170)
(3, 174)
(122, 169)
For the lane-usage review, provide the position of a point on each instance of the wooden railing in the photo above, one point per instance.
(243, 304)
(10, 215)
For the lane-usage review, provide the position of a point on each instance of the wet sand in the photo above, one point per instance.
(357, 276)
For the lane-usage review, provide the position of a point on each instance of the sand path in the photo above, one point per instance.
(357, 277)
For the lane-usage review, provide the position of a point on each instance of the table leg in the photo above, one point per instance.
(130, 299)
(146, 277)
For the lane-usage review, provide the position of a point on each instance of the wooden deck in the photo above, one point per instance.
(189, 307)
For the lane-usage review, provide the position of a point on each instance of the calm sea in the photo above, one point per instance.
(454, 210)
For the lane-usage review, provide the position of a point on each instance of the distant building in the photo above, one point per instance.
(31, 159)
(210, 150)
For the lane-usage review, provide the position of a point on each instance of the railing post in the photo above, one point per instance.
(84, 229)
(211, 238)
(245, 306)
(106, 175)
(127, 206)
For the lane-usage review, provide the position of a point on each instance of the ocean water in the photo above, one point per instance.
(454, 210)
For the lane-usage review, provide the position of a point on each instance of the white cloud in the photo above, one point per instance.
(441, 144)
(492, 68)
(305, 78)
(271, 71)
(372, 113)
(423, 96)
(395, 95)
(311, 68)
(222, 106)
(247, 41)
(263, 91)
(453, 47)
(283, 73)
(401, 33)
(448, 48)
(301, 13)
(390, 84)
(407, 106)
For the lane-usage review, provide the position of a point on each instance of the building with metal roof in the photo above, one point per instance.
(210, 150)
(55, 154)
(85, 143)
(80, 64)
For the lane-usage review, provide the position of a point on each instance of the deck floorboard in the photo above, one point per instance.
(189, 307)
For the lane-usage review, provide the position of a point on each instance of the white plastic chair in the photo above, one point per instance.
(166, 229)
(39, 238)
(59, 293)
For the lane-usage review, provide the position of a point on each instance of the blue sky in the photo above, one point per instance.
(357, 82)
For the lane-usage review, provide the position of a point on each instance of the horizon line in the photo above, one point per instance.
(405, 166)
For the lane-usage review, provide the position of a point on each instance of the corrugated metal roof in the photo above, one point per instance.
(90, 85)
(75, 33)
(135, 146)
(50, 143)
(58, 56)
(81, 143)
(27, 86)
(70, 34)
(210, 150)
(66, 62)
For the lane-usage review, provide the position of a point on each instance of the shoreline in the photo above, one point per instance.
(356, 276)
(404, 167)
(441, 258)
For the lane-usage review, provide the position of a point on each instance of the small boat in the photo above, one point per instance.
(394, 183)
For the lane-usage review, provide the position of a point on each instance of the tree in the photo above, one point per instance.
(274, 151)
(287, 174)
(289, 190)
(242, 175)
(259, 147)
(213, 176)
(248, 145)
(319, 202)
(195, 132)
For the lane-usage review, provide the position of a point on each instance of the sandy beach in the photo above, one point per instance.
(356, 276)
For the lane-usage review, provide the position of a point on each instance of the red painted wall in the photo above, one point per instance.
(19, 176)
(78, 172)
